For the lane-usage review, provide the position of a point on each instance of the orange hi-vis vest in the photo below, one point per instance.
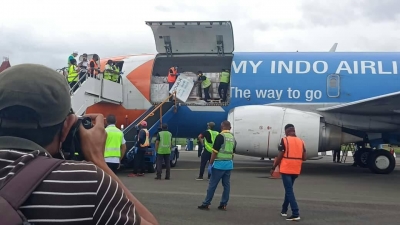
(293, 156)
(172, 76)
(95, 72)
(146, 142)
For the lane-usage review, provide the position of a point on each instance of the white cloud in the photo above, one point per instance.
(47, 31)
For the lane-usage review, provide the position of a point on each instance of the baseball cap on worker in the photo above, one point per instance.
(143, 123)
(36, 87)
(289, 126)
(211, 124)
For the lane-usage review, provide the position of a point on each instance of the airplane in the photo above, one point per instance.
(332, 98)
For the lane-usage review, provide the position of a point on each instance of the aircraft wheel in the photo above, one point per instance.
(174, 160)
(381, 162)
(361, 157)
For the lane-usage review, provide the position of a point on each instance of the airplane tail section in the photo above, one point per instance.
(333, 49)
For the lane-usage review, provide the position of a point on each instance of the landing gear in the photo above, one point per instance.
(381, 162)
(361, 157)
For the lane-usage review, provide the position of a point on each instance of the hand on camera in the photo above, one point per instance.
(93, 140)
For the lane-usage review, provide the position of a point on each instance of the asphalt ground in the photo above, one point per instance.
(327, 193)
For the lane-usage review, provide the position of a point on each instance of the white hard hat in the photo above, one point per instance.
(75, 52)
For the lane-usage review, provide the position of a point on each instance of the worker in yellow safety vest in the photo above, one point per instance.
(116, 77)
(115, 144)
(207, 139)
(223, 85)
(163, 148)
(205, 85)
(109, 72)
(73, 75)
(142, 144)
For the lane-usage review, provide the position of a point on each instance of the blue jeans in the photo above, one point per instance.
(288, 181)
(216, 176)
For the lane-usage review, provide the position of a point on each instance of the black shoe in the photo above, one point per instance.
(203, 207)
(167, 178)
(293, 218)
(157, 178)
(222, 207)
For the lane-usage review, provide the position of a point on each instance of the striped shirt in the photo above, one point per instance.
(74, 193)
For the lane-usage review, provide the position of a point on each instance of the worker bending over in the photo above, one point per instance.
(205, 85)
(163, 149)
(223, 85)
(71, 57)
(115, 144)
(206, 139)
(221, 164)
(290, 159)
(142, 144)
(110, 73)
(73, 75)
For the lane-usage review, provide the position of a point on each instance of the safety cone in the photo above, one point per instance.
(276, 174)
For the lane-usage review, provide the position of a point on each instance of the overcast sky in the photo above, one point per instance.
(47, 31)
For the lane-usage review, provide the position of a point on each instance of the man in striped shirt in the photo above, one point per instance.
(35, 119)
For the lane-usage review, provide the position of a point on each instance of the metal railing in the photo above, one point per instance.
(159, 107)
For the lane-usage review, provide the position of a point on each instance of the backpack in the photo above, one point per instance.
(17, 189)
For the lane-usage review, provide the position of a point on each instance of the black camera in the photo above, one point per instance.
(71, 147)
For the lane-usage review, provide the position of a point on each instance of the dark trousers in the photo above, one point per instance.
(288, 182)
(113, 166)
(72, 86)
(223, 87)
(205, 157)
(336, 155)
(217, 175)
(81, 74)
(139, 161)
(199, 149)
(160, 159)
(207, 93)
(170, 86)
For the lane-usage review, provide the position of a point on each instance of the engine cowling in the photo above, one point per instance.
(258, 130)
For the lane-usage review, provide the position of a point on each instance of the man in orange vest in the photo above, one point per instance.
(94, 68)
(290, 159)
(142, 143)
(172, 74)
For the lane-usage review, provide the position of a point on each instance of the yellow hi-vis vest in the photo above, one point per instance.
(206, 83)
(107, 74)
(224, 77)
(72, 74)
(209, 146)
(164, 145)
(113, 142)
(114, 76)
(226, 151)
(147, 141)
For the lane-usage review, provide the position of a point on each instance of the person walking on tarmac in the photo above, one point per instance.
(115, 144)
(206, 139)
(73, 76)
(223, 85)
(221, 164)
(172, 75)
(290, 159)
(336, 156)
(143, 142)
(205, 85)
(163, 148)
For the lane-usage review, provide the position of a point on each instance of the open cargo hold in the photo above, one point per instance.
(193, 46)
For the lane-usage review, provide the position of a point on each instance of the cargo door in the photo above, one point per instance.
(193, 37)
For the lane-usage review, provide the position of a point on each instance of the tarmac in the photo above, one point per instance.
(326, 192)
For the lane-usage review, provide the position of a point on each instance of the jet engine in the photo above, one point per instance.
(258, 130)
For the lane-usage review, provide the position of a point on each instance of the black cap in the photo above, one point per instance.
(289, 126)
(39, 88)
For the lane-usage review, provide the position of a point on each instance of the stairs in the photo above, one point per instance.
(90, 91)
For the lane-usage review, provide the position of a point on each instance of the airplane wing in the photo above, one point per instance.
(379, 105)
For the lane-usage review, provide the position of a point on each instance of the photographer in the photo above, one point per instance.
(35, 119)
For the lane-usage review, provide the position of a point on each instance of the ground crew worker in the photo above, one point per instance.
(142, 143)
(163, 148)
(109, 72)
(221, 164)
(83, 65)
(115, 144)
(206, 139)
(73, 76)
(290, 159)
(205, 85)
(71, 57)
(116, 76)
(223, 85)
(94, 68)
(172, 75)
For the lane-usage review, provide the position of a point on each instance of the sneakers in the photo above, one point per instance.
(199, 178)
(283, 214)
(293, 218)
(222, 207)
(203, 207)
